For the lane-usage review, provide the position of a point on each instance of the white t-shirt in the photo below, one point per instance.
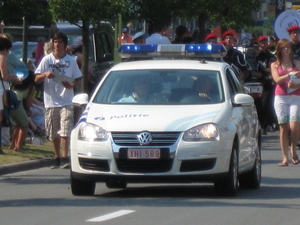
(156, 39)
(56, 95)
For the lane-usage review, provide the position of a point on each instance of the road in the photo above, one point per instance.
(43, 196)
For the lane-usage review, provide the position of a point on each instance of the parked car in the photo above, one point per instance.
(17, 49)
(182, 120)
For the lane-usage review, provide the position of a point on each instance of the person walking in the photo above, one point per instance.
(294, 33)
(234, 57)
(181, 32)
(25, 92)
(59, 113)
(14, 64)
(287, 104)
(264, 59)
(5, 46)
(125, 37)
(157, 35)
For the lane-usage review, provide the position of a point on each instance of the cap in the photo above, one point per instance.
(293, 28)
(125, 30)
(77, 42)
(139, 35)
(227, 33)
(262, 38)
(210, 36)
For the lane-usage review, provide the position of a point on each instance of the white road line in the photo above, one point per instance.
(111, 216)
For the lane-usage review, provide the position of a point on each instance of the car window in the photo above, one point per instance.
(161, 87)
(234, 84)
(103, 45)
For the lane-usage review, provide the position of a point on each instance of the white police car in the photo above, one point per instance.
(167, 120)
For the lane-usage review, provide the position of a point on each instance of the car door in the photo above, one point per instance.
(244, 117)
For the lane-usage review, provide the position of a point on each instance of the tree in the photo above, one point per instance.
(154, 11)
(229, 13)
(36, 12)
(89, 12)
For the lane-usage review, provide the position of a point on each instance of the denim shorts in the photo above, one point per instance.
(287, 108)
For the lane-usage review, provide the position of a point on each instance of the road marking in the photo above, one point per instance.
(111, 216)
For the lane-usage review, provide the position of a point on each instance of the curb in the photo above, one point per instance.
(23, 166)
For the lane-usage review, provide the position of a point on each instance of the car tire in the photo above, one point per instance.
(116, 184)
(252, 179)
(229, 185)
(82, 187)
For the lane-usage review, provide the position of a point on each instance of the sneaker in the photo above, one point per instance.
(56, 163)
(65, 164)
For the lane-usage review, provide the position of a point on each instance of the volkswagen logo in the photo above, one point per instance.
(144, 138)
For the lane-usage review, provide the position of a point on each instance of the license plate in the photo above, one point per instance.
(144, 153)
(254, 89)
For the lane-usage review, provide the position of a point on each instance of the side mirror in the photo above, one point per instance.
(243, 99)
(80, 99)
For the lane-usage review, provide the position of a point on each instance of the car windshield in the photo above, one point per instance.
(161, 87)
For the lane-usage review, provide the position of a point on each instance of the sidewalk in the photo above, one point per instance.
(270, 139)
(23, 166)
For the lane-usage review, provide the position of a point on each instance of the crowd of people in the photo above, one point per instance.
(278, 106)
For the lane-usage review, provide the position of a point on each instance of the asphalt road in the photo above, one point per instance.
(43, 196)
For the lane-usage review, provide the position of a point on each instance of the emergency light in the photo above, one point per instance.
(172, 51)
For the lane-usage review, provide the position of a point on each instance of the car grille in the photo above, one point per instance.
(94, 164)
(158, 138)
(144, 165)
(197, 165)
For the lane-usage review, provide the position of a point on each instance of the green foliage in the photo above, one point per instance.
(266, 29)
(75, 10)
(155, 11)
(229, 13)
(36, 12)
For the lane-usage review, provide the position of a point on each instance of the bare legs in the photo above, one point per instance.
(64, 143)
(293, 127)
(18, 138)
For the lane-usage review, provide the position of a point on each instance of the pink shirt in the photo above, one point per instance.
(281, 89)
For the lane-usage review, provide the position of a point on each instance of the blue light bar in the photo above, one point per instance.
(172, 51)
(138, 48)
(205, 48)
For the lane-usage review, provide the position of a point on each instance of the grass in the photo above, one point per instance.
(33, 152)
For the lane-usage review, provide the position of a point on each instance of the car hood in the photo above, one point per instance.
(150, 117)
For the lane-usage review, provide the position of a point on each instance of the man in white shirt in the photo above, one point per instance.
(58, 96)
(157, 36)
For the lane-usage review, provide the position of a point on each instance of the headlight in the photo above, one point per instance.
(91, 132)
(205, 132)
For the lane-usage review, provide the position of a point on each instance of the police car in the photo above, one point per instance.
(174, 117)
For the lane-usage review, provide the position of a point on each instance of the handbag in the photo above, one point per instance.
(10, 99)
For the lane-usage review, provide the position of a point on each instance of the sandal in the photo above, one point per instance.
(283, 164)
(295, 160)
